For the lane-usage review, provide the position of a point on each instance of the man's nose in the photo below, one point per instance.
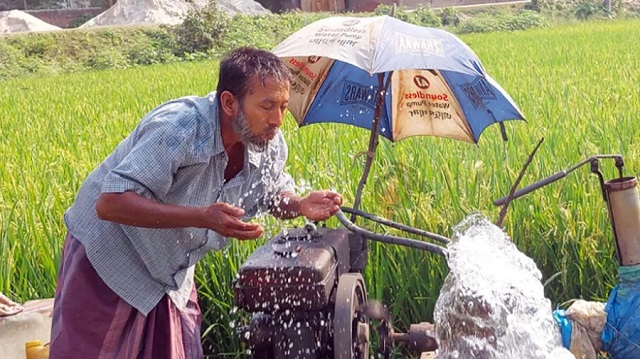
(276, 118)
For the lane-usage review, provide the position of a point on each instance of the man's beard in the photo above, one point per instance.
(253, 141)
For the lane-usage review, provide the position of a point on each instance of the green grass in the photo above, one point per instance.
(577, 85)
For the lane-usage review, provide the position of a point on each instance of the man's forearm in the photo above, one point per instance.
(132, 209)
(286, 206)
(316, 206)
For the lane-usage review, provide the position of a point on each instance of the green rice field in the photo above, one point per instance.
(578, 85)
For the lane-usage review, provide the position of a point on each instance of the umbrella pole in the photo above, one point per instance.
(373, 140)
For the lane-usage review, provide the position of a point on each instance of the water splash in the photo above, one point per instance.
(492, 303)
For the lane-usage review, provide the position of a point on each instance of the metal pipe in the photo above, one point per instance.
(624, 209)
(532, 187)
(396, 225)
(401, 337)
(552, 178)
(420, 337)
(401, 241)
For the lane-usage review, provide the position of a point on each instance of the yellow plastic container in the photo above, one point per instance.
(35, 350)
(33, 323)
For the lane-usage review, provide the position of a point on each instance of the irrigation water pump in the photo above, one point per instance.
(620, 336)
(308, 298)
(621, 195)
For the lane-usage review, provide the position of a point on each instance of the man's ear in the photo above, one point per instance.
(229, 104)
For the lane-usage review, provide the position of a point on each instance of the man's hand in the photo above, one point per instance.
(226, 220)
(320, 205)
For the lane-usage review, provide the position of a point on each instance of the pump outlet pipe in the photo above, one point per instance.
(623, 203)
(624, 209)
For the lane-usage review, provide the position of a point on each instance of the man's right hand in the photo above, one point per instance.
(225, 219)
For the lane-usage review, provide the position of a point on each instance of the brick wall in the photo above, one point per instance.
(363, 5)
(63, 17)
(445, 3)
(370, 5)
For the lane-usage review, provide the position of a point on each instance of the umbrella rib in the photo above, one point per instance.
(375, 48)
(316, 89)
(465, 125)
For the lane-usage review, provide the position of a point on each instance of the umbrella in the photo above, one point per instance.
(391, 77)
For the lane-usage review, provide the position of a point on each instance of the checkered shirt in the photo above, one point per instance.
(174, 156)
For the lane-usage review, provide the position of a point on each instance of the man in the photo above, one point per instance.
(190, 176)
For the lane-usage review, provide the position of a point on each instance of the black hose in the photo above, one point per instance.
(400, 226)
(406, 242)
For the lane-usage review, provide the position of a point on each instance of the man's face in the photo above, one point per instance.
(261, 112)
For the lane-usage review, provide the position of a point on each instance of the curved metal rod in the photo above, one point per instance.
(407, 242)
(400, 226)
(557, 176)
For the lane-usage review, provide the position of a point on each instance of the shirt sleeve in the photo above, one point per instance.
(159, 149)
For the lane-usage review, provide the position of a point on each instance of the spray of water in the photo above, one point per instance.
(492, 303)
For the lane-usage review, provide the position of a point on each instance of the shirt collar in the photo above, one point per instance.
(218, 145)
(254, 157)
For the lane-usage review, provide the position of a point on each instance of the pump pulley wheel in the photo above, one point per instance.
(350, 323)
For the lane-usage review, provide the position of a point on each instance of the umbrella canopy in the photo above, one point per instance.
(432, 83)
(394, 78)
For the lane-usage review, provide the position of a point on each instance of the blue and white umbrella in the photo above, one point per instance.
(391, 77)
(438, 85)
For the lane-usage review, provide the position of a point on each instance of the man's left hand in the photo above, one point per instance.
(320, 205)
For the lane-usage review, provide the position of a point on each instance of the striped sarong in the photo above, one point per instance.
(91, 321)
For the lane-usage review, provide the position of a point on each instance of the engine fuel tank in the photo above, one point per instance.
(295, 271)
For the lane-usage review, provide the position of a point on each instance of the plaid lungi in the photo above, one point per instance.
(91, 321)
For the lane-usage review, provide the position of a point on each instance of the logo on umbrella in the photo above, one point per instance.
(355, 93)
(351, 22)
(421, 82)
(313, 59)
(407, 44)
(478, 90)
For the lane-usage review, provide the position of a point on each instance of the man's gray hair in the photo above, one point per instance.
(242, 64)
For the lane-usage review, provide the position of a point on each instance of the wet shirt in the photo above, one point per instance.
(174, 156)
